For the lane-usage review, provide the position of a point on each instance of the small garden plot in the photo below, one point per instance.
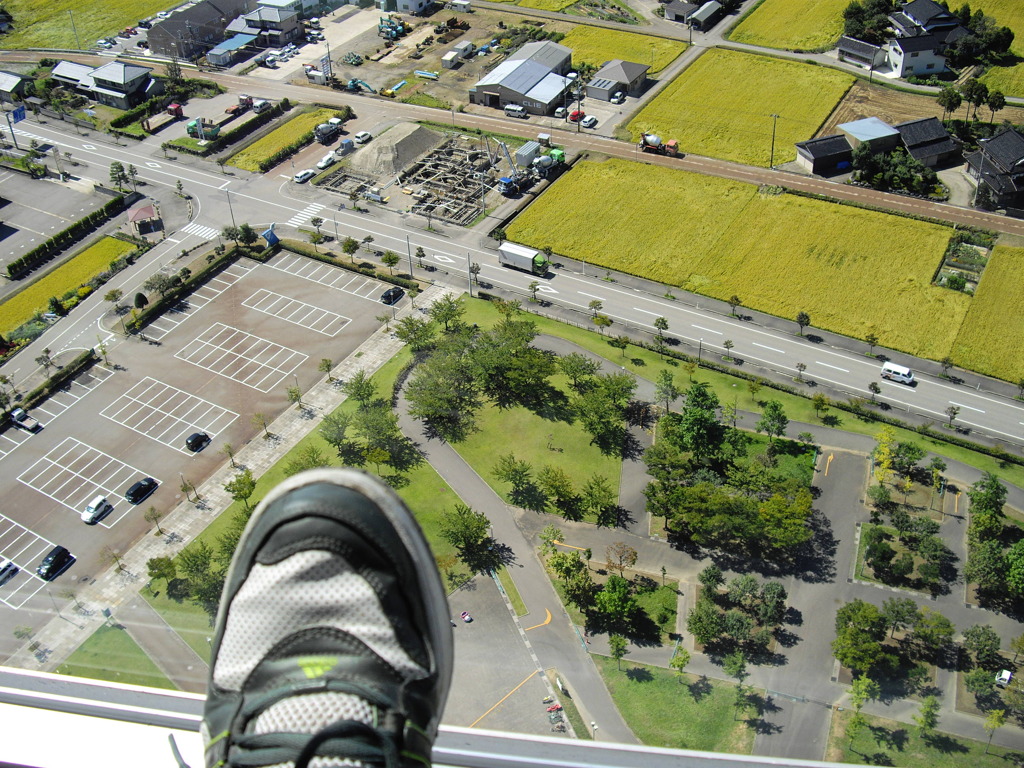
(991, 338)
(885, 557)
(722, 106)
(294, 134)
(793, 25)
(596, 45)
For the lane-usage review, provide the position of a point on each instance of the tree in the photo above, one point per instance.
(620, 556)
(679, 661)
(261, 421)
(993, 723)
(981, 682)
(899, 613)
(132, 174)
(995, 102)
(932, 631)
(661, 324)
(1014, 568)
(927, 717)
(711, 579)
(390, 260)
(360, 387)
(1017, 646)
(247, 235)
(602, 322)
(551, 534)
(474, 270)
(595, 306)
(974, 92)
(800, 368)
(232, 233)
(617, 648)
(821, 404)
(316, 222)
(448, 311)
(615, 603)
(665, 389)
(161, 568)
(874, 389)
(598, 497)
(704, 622)
(153, 515)
(983, 642)
(734, 301)
(294, 395)
(417, 333)
(114, 296)
(161, 283)
(465, 529)
(802, 320)
(111, 556)
(579, 368)
(859, 630)
(241, 487)
(45, 361)
(952, 411)
(308, 457)
(862, 690)
(773, 421)
(444, 392)
(872, 342)
(349, 246)
(728, 345)
(950, 100)
(118, 177)
(735, 665)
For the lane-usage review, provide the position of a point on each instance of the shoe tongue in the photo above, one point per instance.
(310, 713)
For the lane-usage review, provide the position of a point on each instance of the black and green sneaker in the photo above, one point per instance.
(333, 644)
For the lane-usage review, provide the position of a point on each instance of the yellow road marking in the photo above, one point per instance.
(563, 544)
(485, 714)
(828, 463)
(547, 620)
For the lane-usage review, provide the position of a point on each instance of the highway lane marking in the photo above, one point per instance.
(969, 407)
(646, 311)
(709, 330)
(547, 620)
(818, 362)
(765, 346)
(502, 699)
(592, 296)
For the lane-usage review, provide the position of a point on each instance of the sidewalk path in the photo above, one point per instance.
(163, 645)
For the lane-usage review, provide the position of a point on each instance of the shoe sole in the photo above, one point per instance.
(402, 520)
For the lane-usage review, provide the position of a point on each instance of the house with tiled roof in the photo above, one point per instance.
(928, 141)
(999, 165)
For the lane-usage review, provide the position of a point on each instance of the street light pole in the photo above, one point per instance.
(775, 120)
(408, 248)
(469, 272)
(232, 210)
(700, 350)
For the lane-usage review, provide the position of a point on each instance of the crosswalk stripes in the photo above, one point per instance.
(307, 213)
(202, 231)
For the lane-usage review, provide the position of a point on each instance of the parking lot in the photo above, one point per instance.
(244, 344)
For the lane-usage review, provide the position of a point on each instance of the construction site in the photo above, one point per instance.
(450, 177)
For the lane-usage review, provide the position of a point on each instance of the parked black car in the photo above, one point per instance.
(141, 490)
(55, 563)
(392, 295)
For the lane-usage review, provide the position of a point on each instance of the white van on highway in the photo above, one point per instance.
(898, 373)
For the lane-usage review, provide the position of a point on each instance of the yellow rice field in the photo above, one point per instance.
(249, 158)
(794, 25)
(722, 104)
(73, 273)
(595, 45)
(992, 336)
(853, 271)
(546, 5)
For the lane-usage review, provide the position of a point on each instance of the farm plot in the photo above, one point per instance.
(854, 271)
(863, 100)
(67, 277)
(992, 336)
(721, 106)
(596, 45)
(1009, 80)
(43, 24)
(793, 25)
(249, 158)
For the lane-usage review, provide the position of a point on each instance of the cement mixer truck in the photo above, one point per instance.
(649, 142)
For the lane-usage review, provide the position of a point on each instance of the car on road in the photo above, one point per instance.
(140, 490)
(589, 122)
(55, 563)
(362, 137)
(8, 570)
(392, 295)
(303, 176)
(197, 441)
(96, 510)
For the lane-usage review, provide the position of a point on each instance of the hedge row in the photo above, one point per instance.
(186, 286)
(59, 378)
(345, 113)
(141, 112)
(64, 239)
(367, 270)
(229, 137)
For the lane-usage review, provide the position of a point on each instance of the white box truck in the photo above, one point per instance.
(521, 257)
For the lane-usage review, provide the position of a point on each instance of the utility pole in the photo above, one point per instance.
(74, 29)
(408, 249)
(232, 210)
(775, 120)
(469, 273)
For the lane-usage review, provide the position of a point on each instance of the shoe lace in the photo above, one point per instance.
(348, 739)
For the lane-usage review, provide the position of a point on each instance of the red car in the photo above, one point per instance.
(576, 115)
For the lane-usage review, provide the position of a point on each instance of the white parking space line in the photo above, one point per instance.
(198, 299)
(73, 473)
(297, 312)
(167, 414)
(323, 274)
(70, 393)
(26, 549)
(11, 438)
(242, 357)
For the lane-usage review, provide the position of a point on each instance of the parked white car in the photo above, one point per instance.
(327, 161)
(303, 176)
(362, 137)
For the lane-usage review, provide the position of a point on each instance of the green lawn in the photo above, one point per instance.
(660, 605)
(511, 591)
(731, 389)
(663, 712)
(888, 742)
(110, 654)
(39, 24)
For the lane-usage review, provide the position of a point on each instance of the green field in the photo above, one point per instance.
(48, 25)
(996, 313)
(854, 271)
(596, 45)
(67, 277)
(1008, 80)
(111, 654)
(721, 106)
(794, 25)
(661, 710)
(249, 159)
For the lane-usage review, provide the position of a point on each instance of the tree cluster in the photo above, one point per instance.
(893, 171)
(861, 630)
(868, 20)
(553, 489)
(742, 617)
(986, 42)
(997, 569)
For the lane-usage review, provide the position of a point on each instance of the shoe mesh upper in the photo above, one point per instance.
(312, 588)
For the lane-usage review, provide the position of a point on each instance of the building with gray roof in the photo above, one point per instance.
(533, 77)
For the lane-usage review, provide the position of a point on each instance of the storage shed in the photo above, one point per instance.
(526, 153)
(451, 60)
(825, 156)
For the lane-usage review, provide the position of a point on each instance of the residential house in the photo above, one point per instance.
(533, 77)
(928, 141)
(825, 156)
(929, 16)
(116, 84)
(916, 56)
(304, 9)
(877, 134)
(12, 86)
(999, 165)
(412, 7)
(269, 27)
(707, 16)
(617, 76)
(678, 10)
(195, 30)
(858, 52)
